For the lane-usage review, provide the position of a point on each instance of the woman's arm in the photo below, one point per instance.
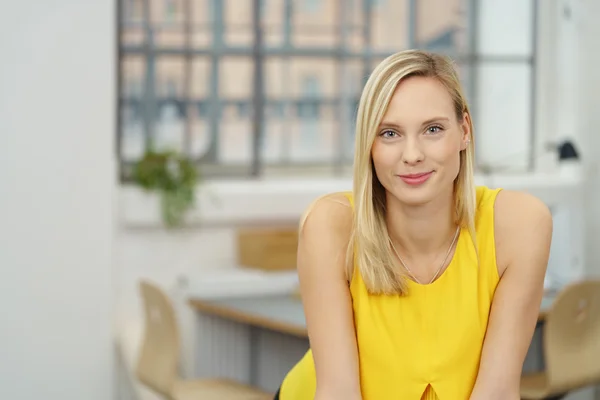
(523, 231)
(322, 246)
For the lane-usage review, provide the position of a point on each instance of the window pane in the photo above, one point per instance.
(132, 26)
(200, 137)
(169, 80)
(313, 23)
(503, 112)
(277, 140)
(199, 111)
(278, 71)
(235, 138)
(496, 39)
(133, 72)
(202, 19)
(279, 110)
(200, 78)
(273, 22)
(132, 35)
(235, 77)
(170, 107)
(390, 26)
(312, 75)
(170, 126)
(353, 73)
(235, 126)
(132, 132)
(238, 22)
(167, 19)
(439, 25)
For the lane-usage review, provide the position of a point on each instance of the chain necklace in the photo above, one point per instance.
(441, 266)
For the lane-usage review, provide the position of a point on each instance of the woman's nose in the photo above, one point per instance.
(412, 153)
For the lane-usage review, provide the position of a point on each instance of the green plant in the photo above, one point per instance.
(172, 175)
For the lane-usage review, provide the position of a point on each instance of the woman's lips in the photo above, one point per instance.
(416, 179)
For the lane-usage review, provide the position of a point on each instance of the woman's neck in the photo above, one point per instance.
(423, 229)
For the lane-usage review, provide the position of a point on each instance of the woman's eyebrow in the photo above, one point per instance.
(385, 124)
(436, 119)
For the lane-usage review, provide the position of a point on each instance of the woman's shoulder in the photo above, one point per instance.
(508, 203)
(332, 212)
(325, 232)
(507, 210)
(519, 218)
(516, 209)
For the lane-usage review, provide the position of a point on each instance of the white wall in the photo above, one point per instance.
(56, 209)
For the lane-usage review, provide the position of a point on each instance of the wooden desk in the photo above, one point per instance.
(282, 313)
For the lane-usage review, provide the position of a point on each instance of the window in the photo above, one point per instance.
(311, 6)
(171, 88)
(133, 10)
(308, 106)
(170, 10)
(202, 81)
(308, 111)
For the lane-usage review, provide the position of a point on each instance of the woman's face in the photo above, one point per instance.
(416, 152)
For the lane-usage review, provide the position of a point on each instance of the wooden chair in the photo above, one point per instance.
(158, 363)
(571, 344)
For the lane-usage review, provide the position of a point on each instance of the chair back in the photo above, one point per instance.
(158, 362)
(572, 337)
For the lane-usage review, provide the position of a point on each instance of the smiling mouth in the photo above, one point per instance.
(414, 176)
(416, 179)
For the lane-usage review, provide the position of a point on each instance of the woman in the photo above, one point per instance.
(418, 285)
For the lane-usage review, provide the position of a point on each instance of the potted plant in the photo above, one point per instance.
(174, 177)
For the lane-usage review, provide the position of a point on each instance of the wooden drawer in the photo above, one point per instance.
(270, 249)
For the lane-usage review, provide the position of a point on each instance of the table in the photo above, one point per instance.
(281, 312)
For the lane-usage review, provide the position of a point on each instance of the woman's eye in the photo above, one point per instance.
(388, 134)
(434, 129)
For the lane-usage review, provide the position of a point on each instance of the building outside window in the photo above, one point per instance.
(314, 64)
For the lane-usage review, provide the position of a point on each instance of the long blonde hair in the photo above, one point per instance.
(370, 244)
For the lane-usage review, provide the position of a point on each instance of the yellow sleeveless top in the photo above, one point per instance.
(427, 344)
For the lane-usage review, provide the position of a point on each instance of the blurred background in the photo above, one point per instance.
(251, 88)
(177, 142)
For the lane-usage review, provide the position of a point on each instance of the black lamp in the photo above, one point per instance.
(567, 151)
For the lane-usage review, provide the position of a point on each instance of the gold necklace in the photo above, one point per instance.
(440, 267)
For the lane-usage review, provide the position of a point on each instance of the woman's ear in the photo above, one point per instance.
(466, 131)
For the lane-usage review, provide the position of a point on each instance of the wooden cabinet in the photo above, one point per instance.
(270, 249)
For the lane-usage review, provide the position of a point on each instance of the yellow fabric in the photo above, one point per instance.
(425, 345)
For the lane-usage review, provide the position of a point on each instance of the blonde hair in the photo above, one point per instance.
(370, 244)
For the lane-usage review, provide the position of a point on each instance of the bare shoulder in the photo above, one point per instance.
(328, 215)
(515, 210)
(325, 231)
(336, 203)
(520, 219)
